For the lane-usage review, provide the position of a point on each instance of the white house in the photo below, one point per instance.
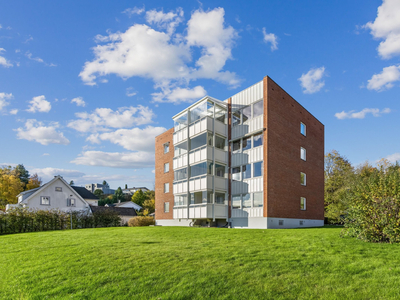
(129, 204)
(56, 194)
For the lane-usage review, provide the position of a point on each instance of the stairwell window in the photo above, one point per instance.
(166, 167)
(302, 203)
(236, 201)
(166, 148)
(258, 199)
(236, 174)
(302, 153)
(258, 108)
(303, 129)
(258, 169)
(303, 179)
(166, 207)
(258, 140)
(166, 187)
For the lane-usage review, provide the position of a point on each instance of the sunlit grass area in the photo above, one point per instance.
(196, 263)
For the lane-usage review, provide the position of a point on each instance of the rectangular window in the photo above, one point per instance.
(199, 169)
(166, 147)
(220, 198)
(180, 174)
(58, 189)
(303, 179)
(258, 199)
(197, 198)
(258, 140)
(71, 202)
(166, 167)
(166, 207)
(258, 108)
(219, 142)
(236, 174)
(302, 153)
(246, 143)
(246, 171)
(210, 166)
(210, 139)
(246, 113)
(220, 114)
(44, 200)
(236, 118)
(166, 187)
(246, 201)
(302, 203)
(236, 201)
(219, 170)
(180, 200)
(209, 196)
(280, 222)
(181, 148)
(258, 168)
(236, 145)
(181, 121)
(198, 141)
(303, 129)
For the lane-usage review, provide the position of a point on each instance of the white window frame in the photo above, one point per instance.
(305, 129)
(166, 148)
(71, 202)
(305, 179)
(166, 187)
(305, 203)
(41, 200)
(303, 151)
(166, 167)
(166, 207)
(58, 189)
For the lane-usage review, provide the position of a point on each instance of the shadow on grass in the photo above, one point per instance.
(150, 243)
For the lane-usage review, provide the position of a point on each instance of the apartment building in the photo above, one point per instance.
(255, 160)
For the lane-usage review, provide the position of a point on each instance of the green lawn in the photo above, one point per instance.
(196, 263)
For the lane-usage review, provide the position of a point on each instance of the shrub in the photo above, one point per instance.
(141, 221)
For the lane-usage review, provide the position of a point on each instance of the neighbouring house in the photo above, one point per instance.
(131, 191)
(129, 204)
(89, 197)
(255, 160)
(98, 186)
(125, 213)
(55, 194)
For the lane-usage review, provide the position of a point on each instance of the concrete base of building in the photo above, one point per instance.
(173, 222)
(274, 223)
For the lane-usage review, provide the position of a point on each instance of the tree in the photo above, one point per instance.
(10, 187)
(149, 206)
(22, 173)
(139, 197)
(34, 182)
(71, 183)
(339, 174)
(126, 186)
(118, 195)
(99, 193)
(150, 194)
(105, 182)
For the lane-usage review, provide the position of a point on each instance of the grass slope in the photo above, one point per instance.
(196, 263)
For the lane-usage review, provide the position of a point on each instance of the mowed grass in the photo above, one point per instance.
(196, 263)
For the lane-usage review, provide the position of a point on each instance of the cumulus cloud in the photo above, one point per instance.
(45, 135)
(270, 38)
(165, 56)
(385, 79)
(4, 97)
(312, 82)
(361, 114)
(39, 104)
(133, 11)
(78, 101)
(3, 61)
(14, 111)
(178, 95)
(135, 139)
(386, 27)
(104, 118)
(49, 173)
(393, 157)
(124, 160)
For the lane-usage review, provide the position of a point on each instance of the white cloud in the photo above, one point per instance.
(78, 101)
(49, 173)
(361, 114)
(130, 92)
(134, 139)
(385, 79)
(103, 118)
(29, 55)
(163, 56)
(133, 11)
(36, 131)
(3, 100)
(45, 154)
(393, 157)
(116, 159)
(3, 61)
(39, 104)
(270, 38)
(179, 95)
(14, 111)
(312, 81)
(386, 27)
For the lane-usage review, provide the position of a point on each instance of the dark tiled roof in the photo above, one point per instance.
(122, 211)
(84, 193)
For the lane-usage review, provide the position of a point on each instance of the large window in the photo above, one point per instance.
(258, 169)
(236, 145)
(205, 108)
(302, 203)
(220, 198)
(44, 200)
(258, 108)
(201, 169)
(201, 197)
(236, 201)
(198, 141)
(258, 199)
(246, 143)
(181, 121)
(219, 142)
(181, 148)
(246, 171)
(246, 200)
(246, 113)
(180, 174)
(302, 153)
(258, 140)
(219, 170)
(236, 118)
(303, 179)
(236, 174)
(303, 129)
(180, 200)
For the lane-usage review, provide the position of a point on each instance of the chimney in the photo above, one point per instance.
(119, 201)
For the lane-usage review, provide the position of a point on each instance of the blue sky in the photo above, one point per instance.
(85, 86)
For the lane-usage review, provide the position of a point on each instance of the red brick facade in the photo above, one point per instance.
(161, 178)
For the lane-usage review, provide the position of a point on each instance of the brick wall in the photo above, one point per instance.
(282, 162)
(161, 177)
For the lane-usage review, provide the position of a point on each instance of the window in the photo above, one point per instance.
(220, 198)
(246, 171)
(258, 199)
(200, 197)
(44, 200)
(303, 129)
(198, 141)
(236, 174)
(236, 145)
(236, 201)
(246, 113)
(166, 147)
(209, 196)
(166, 207)
(258, 169)
(236, 118)
(181, 148)
(258, 140)
(219, 170)
(58, 189)
(258, 108)
(246, 143)
(71, 202)
(219, 142)
(180, 174)
(210, 139)
(246, 201)
(199, 169)
(181, 121)
(303, 180)
(166, 167)
(280, 222)
(166, 187)
(302, 153)
(220, 114)
(302, 203)
(210, 168)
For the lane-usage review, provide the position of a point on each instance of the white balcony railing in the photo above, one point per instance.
(180, 161)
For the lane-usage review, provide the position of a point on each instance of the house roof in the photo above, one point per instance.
(84, 193)
(128, 202)
(122, 211)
